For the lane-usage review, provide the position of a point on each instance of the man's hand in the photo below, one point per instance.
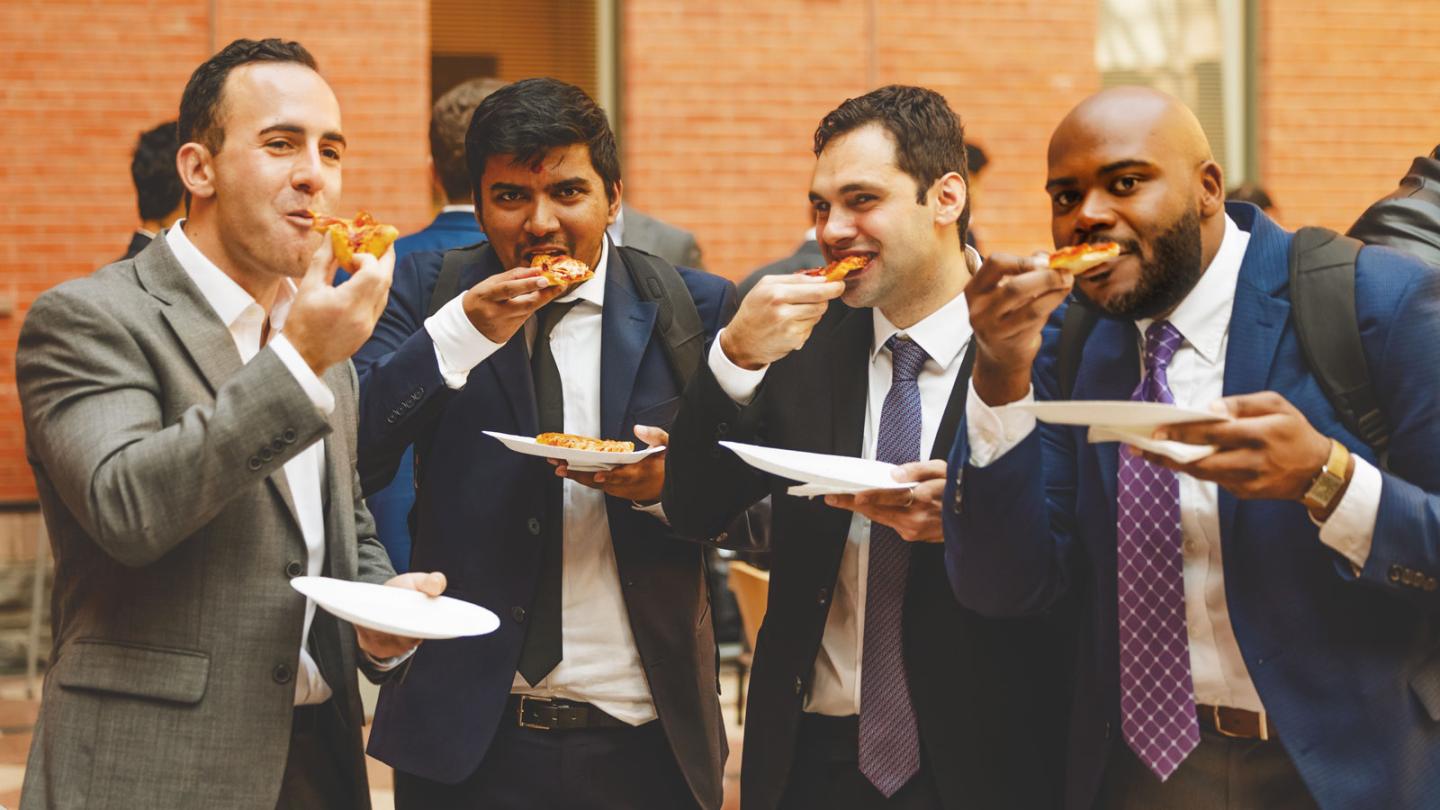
(327, 324)
(913, 513)
(500, 305)
(381, 646)
(1266, 450)
(1010, 299)
(776, 318)
(640, 482)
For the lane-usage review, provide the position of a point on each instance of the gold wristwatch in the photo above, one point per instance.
(1326, 487)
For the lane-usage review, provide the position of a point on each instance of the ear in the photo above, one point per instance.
(1212, 189)
(950, 196)
(196, 166)
(615, 203)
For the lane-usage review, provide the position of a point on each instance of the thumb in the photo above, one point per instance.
(651, 436)
(432, 584)
(919, 470)
(322, 266)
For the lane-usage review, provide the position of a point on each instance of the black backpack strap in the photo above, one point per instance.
(1322, 294)
(1080, 319)
(447, 286)
(678, 321)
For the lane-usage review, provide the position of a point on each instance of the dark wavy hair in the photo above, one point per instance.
(200, 104)
(158, 189)
(449, 121)
(529, 118)
(929, 138)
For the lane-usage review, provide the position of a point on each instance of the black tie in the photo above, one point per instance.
(542, 650)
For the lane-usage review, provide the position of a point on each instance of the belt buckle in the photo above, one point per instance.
(520, 712)
(1264, 725)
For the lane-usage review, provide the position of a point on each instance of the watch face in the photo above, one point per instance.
(1323, 491)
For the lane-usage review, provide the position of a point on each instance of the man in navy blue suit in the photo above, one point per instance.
(599, 688)
(1255, 626)
(455, 226)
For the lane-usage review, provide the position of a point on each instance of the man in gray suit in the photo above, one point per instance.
(190, 418)
(639, 230)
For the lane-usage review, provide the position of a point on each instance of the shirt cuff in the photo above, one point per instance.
(387, 664)
(1350, 529)
(315, 388)
(459, 346)
(738, 383)
(655, 510)
(994, 433)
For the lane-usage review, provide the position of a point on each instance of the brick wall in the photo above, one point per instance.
(77, 92)
(1349, 94)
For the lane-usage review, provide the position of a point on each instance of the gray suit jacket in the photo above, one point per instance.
(158, 457)
(674, 245)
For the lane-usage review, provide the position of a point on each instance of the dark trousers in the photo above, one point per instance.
(1222, 773)
(826, 773)
(319, 769)
(628, 768)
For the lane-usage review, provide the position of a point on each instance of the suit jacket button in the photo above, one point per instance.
(288, 436)
(823, 595)
(294, 569)
(1396, 572)
(254, 463)
(518, 613)
(282, 673)
(533, 524)
(799, 685)
(722, 428)
(390, 420)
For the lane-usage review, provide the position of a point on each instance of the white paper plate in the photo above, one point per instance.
(579, 460)
(1112, 413)
(399, 611)
(830, 475)
(1179, 451)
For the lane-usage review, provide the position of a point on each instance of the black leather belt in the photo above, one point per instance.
(558, 714)
(1232, 722)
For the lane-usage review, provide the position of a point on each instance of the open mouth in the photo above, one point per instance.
(529, 254)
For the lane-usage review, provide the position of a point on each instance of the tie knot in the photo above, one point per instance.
(1161, 341)
(907, 357)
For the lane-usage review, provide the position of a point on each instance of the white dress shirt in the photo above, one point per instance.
(943, 334)
(600, 663)
(305, 473)
(1197, 377)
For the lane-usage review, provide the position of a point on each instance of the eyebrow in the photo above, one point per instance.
(1108, 168)
(296, 129)
(848, 188)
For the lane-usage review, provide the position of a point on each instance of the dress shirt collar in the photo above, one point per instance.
(229, 300)
(145, 233)
(942, 334)
(594, 289)
(466, 207)
(1203, 316)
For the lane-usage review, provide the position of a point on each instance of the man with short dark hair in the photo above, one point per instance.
(872, 687)
(190, 418)
(455, 226)
(158, 192)
(599, 688)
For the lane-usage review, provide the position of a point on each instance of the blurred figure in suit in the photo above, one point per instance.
(158, 192)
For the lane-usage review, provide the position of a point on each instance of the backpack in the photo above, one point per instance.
(1322, 296)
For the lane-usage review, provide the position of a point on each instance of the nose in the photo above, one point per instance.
(308, 174)
(1093, 216)
(542, 220)
(836, 228)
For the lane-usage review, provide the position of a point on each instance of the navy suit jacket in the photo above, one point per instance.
(1348, 667)
(479, 514)
(391, 505)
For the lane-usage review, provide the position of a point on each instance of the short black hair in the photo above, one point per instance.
(449, 120)
(529, 118)
(929, 137)
(1251, 193)
(157, 183)
(975, 159)
(200, 104)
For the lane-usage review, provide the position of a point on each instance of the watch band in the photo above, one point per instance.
(1327, 485)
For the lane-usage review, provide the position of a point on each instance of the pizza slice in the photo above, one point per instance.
(352, 236)
(562, 270)
(574, 442)
(1080, 259)
(838, 269)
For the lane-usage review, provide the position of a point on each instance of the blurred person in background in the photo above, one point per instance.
(639, 230)
(1408, 219)
(976, 160)
(158, 192)
(1257, 196)
(806, 256)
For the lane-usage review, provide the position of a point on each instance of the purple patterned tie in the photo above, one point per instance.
(889, 736)
(1157, 696)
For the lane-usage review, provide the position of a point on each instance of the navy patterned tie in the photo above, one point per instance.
(889, 736)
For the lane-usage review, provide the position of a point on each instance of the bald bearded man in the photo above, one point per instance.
(1255, 627)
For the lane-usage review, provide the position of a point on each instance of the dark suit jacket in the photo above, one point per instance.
(1348, 667)
(391, 504)
(138, 241)
(979, 686)
(159, 462)
(479, 512)
(674, 245)
(1409, 218)
(806, 256)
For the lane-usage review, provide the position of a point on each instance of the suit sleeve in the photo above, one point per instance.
(96, 431)
(1009, 525)
(401, 386)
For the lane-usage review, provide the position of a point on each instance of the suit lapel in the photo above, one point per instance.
(1109, 369)
(955, 406)
(626, 325)
(850, 381)
(1258, 319)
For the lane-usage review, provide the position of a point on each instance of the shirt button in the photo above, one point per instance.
(282, 673)
(822, 596)
(518, 613)
(294, 569)
(533, 524)
(1191, 547)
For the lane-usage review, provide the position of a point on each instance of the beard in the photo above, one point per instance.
(1167, 277)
